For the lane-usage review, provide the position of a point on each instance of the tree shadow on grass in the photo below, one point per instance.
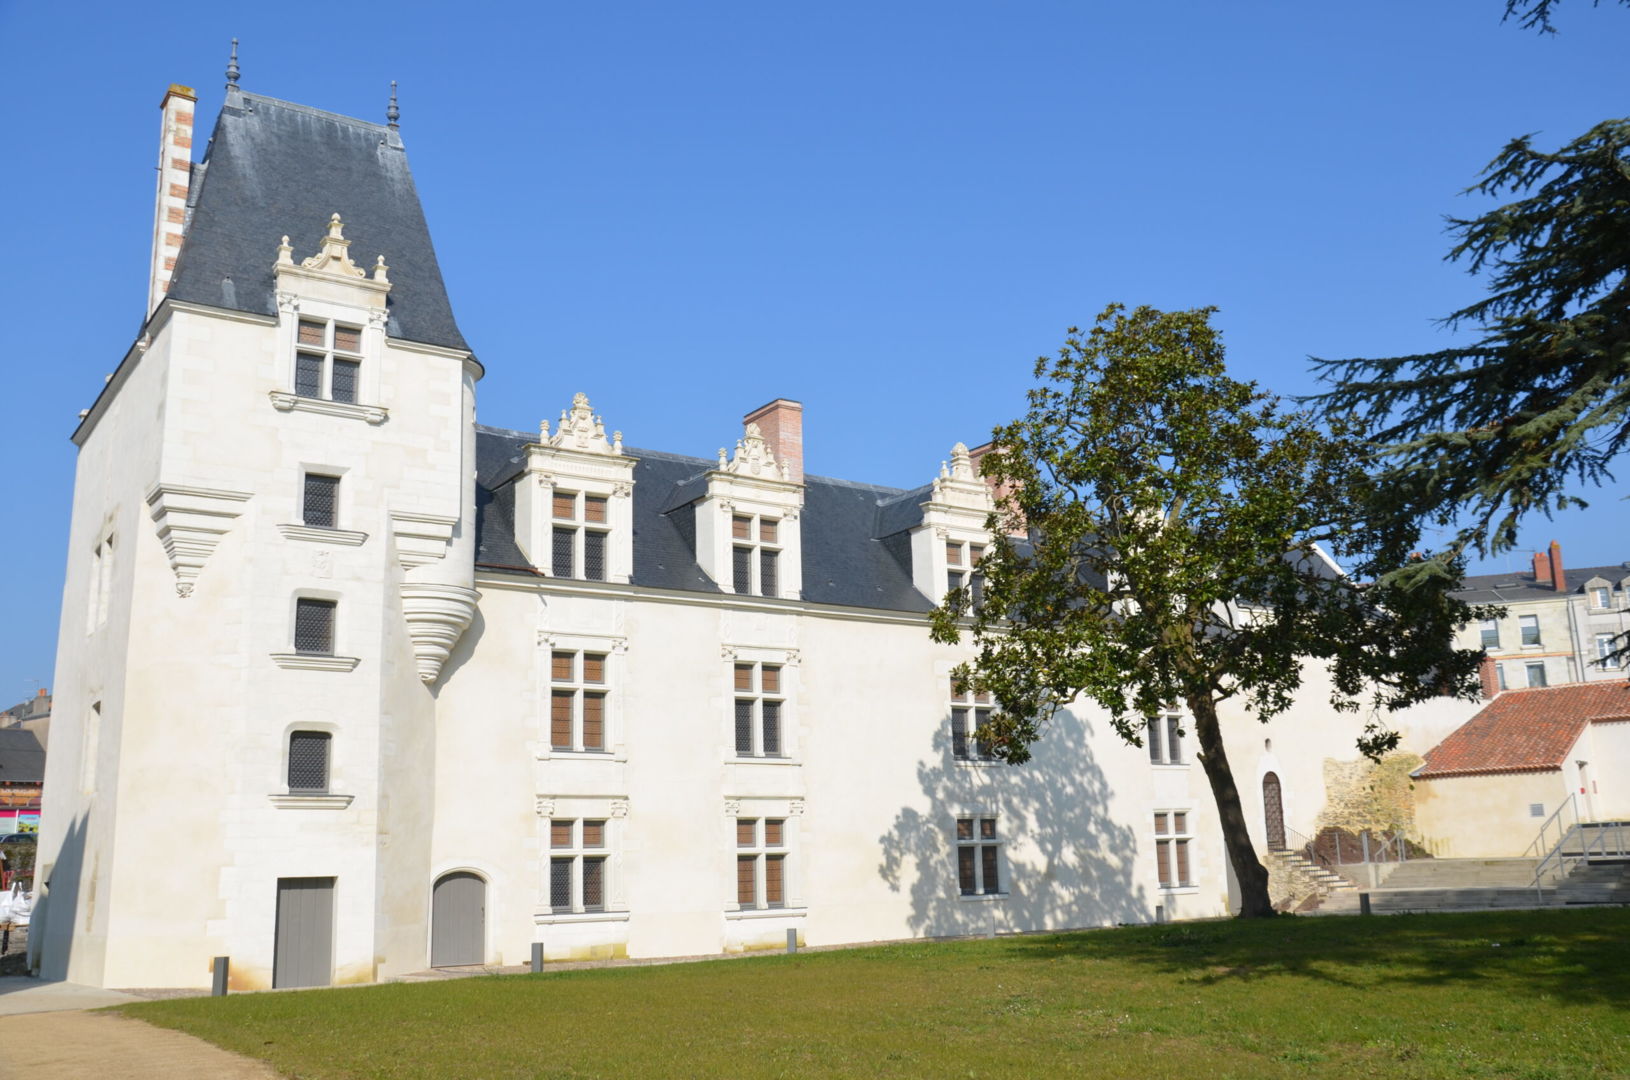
(1065, 861)
(1580, 956)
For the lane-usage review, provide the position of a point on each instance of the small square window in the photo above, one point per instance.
(1536, 809)
(314, 626)
(308, 761)
(319, 503)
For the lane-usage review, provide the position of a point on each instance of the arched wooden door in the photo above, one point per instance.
(458, 920)
(1273, 810)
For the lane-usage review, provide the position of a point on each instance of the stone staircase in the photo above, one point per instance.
(1483, 885)
(1297, 884)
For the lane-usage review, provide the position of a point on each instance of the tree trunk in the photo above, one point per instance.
(1248, 869)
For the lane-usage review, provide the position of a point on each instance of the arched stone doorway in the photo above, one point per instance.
(1273, 811)
(458, 920)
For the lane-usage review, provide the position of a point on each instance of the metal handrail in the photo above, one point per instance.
(1544, 854)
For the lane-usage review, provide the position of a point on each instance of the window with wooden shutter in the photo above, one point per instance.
(770, 679)
(313, 333)
(314, 626)
(755, 567)
(1164, 737)
(772, 832)
(594, 668)
(987, 855)
(594, 834)
(319, 369)
(594, 721)
(561, 665)
(565, 505)
(759, 728)
(347, 339)
(767, 530)
(1172, 839)
(746, 832)
(744, 677)
(560, 833)
(978, 847)
(579, 868)
(741, 528)
(774, 895)
(560, 719)
(747, 880)
(594, 509)
(953, 554)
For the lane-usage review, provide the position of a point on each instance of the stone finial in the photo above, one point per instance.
(232, 66)
(580, 429)
(961, 463)
(753, 457)
(392, 113)
(381, 271)
(285, 252)
(958, 484)
(333, 257)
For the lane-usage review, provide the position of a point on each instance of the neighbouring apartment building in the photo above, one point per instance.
(1559, 625)
(350, 684)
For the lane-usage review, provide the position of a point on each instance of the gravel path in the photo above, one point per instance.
(81, 1045)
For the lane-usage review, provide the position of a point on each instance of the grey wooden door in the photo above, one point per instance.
(304, 953)
(1273, 809)
(458, 921)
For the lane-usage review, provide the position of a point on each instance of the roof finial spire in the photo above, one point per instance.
(232, 66)
(392, 113)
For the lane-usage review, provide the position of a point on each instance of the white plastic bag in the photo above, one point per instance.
(6, 904)
(22, 904)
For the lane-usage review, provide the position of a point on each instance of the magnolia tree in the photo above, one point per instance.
(1167, 534)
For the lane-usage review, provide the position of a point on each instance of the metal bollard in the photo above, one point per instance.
(221, 965)
(792, 941)
(1363, 903)
(537, 956)
(1160, 913)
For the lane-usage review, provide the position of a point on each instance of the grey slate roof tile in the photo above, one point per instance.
(276, 168)
(1519, 587)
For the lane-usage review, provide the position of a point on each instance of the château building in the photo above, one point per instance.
(350, 685)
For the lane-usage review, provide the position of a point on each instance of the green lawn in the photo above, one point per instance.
(1529, 995)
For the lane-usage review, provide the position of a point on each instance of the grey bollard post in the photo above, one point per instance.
(1160, 913)
(792, 941)
(218, 986)
(1363, 903)
(537, 956)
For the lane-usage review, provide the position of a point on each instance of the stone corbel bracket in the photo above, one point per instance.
(190, 522)
(436, 615)
(421, 538)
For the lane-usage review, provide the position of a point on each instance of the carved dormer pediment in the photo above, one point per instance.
(754, 458)
(958, 485)
(580, 429)
(332, 263)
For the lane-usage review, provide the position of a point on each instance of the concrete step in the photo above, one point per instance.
(1388, 901)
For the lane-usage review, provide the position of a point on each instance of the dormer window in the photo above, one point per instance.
(579, 535)
(755, 554)
(328, 361)
(962, 569)
(1601, 597)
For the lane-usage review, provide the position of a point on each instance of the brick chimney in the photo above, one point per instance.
(781, 422)
(174, 176)
(1489, 677)
(1559, 579)
(1542, 569)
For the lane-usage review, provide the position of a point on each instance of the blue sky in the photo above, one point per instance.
(884, 210)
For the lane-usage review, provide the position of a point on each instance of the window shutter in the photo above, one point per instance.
(560, 719)
(1182, 862)
(308, 375)
(1162, 862)
(741, 528)
(594, 555)
(311, 333)
(594, 508)
(560, 666)
(347, 339)
(744, 677)
(560, 833)
(992, 882)
(959, 733)
(1174, 743)
(953, 554)
(767, 584)
(747, 880)
(771, 711)
(773, 880)
(314, 626)
(594, 834)
(1160, 824)
(594, 884)
(976, 552)
(746, 832)
(560, 557)
(772, 832)
(958, 691)
(767, 530)
(744, 727)
(594, 667)
(965, 870)
(319, 502)
(987, 828)
(565, 505)
(343, 382)
(964, 828)
(770, 679)
(308, 761)
(741, 576)
(594, 721)
(1180, 822)
(560, 884)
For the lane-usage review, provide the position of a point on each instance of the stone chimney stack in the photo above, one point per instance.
(174, 176)
(1488, 677)
(1559, 580)
(1542, 569)
(781, 422)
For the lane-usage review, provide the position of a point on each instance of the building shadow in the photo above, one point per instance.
(57, 885)
(1065, 860)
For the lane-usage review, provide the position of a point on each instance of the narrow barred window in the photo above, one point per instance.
(741, 570)
(772, 727)
(766, 573)
(560, 884)
(308, 761)
(594, 884)
(308, 375)
(594, 555)
(314, 626)
(744, 727)
(346, 375)
(561, 553)
(320, 501)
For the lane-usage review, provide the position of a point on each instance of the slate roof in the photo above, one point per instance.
(848, 559)
(1526, 730)
(274, 168)
(22, 758)
(1520, 587)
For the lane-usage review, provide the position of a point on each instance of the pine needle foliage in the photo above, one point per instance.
(1163, 539)
(1474, 437)
(1536, 14)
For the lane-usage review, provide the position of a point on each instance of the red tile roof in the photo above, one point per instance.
(1526, 730)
